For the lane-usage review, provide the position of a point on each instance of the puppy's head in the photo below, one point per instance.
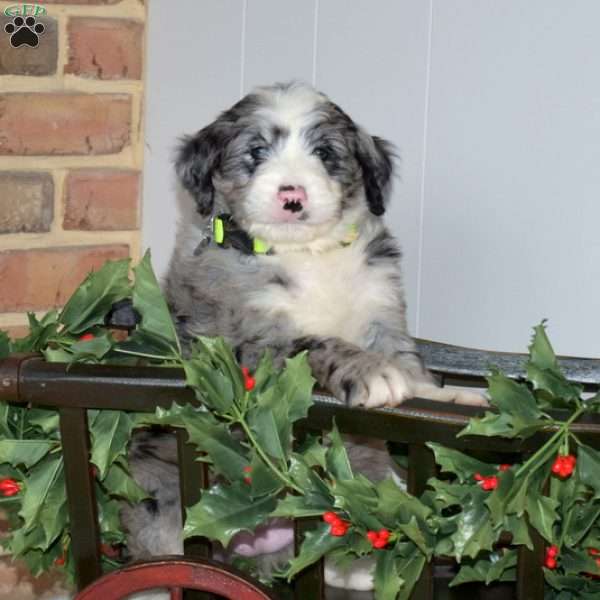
(288, 164)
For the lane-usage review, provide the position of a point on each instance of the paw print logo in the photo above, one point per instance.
(24, 32)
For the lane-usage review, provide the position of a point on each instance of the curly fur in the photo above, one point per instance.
(342, 301)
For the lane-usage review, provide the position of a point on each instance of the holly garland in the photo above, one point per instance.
(244, 430)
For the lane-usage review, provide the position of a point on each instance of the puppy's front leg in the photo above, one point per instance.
(372, 379)
(358, 377)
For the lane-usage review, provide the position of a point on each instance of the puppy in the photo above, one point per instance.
(289, 252)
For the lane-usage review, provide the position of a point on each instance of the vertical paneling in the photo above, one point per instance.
(279, 41)
(512, 180)
(372, 60)
(193, 72)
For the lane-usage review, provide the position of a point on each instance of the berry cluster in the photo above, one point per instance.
(338, 527)
(564, 465)
(9, 487)
(379, 539)
(247, 478)
(488, 483)
(551, 555)
(249, 381)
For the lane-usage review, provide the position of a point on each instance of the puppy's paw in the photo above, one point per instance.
(430, 391)
(377, 385)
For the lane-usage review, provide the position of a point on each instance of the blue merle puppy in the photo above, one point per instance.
(302, 261)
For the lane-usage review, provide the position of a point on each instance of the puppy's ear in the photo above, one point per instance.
(375, 157)
(198, 156)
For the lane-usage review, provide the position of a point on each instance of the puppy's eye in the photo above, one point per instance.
(259, 153)
(323, 152)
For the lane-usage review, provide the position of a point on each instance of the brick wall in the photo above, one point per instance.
(71, 150)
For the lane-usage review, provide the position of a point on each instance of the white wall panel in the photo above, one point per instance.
(193, 72)
(279, 41)
(372, 60)
(512, 198)
(495, 110)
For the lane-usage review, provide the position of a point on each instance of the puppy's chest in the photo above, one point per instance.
(332, 294)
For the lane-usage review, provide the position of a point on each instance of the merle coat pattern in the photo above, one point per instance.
(294, 170)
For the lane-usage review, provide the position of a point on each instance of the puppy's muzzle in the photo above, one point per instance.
(292, 197)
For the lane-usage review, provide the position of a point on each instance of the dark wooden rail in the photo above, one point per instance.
(31, 380)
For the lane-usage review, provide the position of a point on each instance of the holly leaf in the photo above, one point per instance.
(410, 563)
(146, 344)
(25, 453)
(94, 350)
(500, 566)
(315, 545)
(554, 383)
(588, 467)
(151, 305)
(224, 511)
(212, 387)
(583, 517)
(542, 514)
(53, 516)
(358, 498)
(39, 483)
(336, 457)
(40, 331)
(93, 299)
(313, 451)
(227, 454)
(461, 465)
(295, 385)
(541, 353)
(474, 531)
(295, 507)
(118, 482)
(387, 582)
(110, 431)
(395, 505)
(270, 424)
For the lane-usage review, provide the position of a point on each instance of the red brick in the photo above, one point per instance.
(64, 123)
(16, 331)
(105, 48)
(102, 199)
(43, 278)
(25, 60)
(27, 202)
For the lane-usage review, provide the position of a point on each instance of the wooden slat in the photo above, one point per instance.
(309, 583)
(193, 478)
(81, 497)
(421, 466)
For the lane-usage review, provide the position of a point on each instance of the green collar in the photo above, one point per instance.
(227, 234)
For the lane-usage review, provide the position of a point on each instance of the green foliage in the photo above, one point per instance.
(246, 436)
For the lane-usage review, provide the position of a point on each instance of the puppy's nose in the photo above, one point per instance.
(293, 197)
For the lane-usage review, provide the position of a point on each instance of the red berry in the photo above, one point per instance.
(384, 534)
(571, 459)
(249, 383)
(247, 480)
(247, 469)
(478, 477)
(9, 487)
(504, 467)
(372, 536)
(593, 551)
(330, 517)
(380, 543)
(86, 337)
(552, 551)
(60, 561)
(245, 371)
(490, 483)
(338, 530)
(550, 562)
